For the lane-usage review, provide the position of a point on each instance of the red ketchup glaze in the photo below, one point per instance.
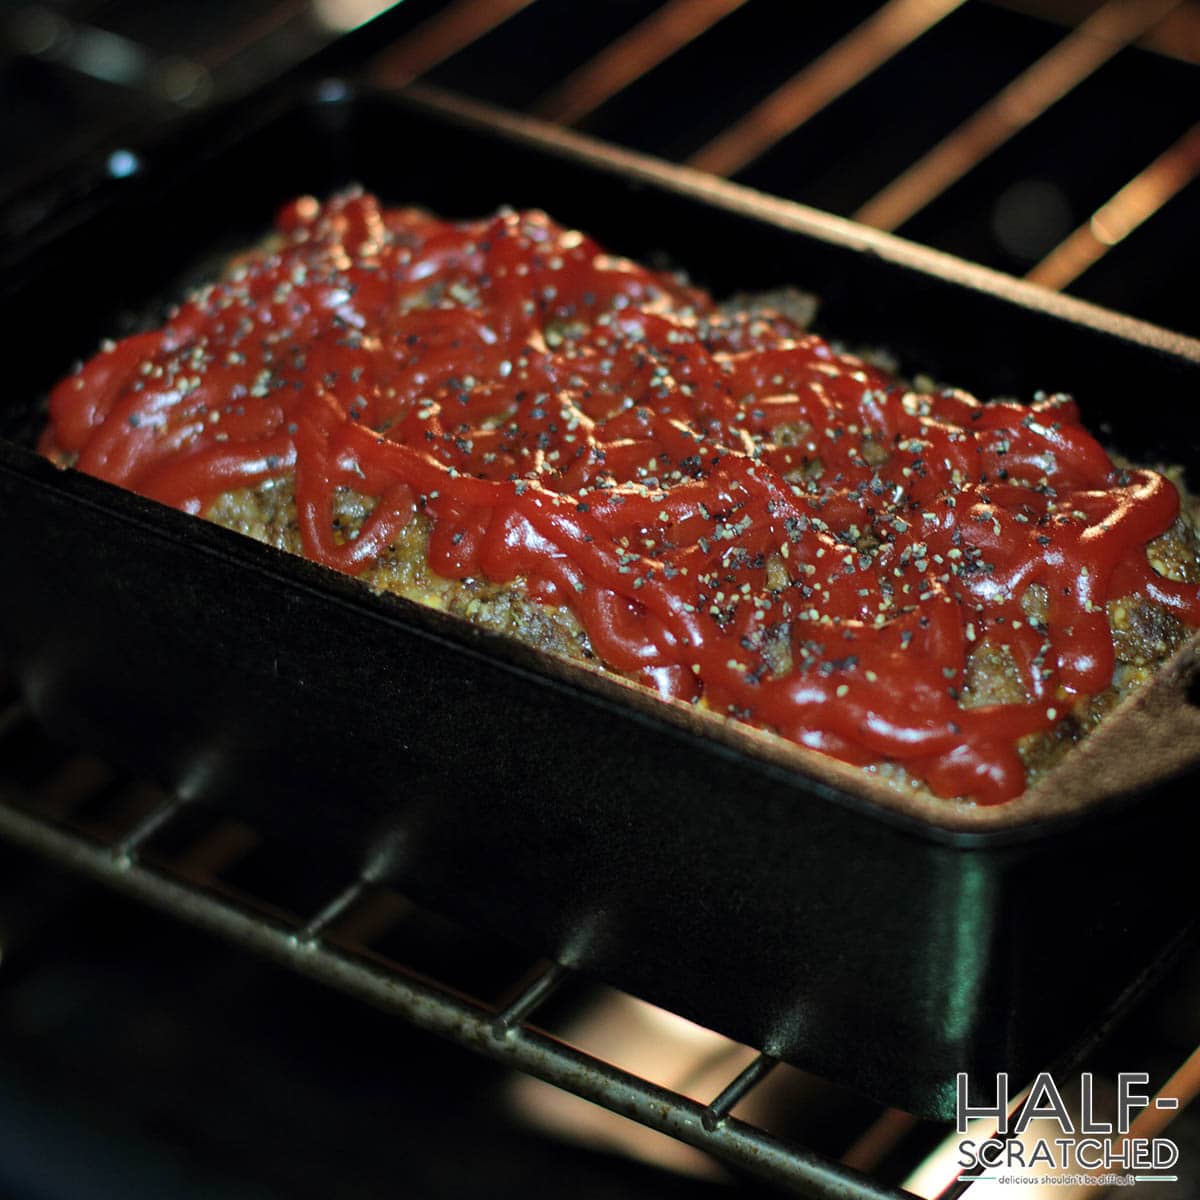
(605, 434)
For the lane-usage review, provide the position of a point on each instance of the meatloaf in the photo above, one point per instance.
(499, 419)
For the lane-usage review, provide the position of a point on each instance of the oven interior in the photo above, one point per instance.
(144, 1055)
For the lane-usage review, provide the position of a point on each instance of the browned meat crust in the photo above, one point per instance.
(1144, 634)
(268, 513)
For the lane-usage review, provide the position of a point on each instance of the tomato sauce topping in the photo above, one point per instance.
(733, 509)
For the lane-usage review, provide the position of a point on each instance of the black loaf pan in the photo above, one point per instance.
(885, 945)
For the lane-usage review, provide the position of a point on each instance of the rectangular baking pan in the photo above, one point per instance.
(882, 941)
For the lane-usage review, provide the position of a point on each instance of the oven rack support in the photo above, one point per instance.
(504, 1035)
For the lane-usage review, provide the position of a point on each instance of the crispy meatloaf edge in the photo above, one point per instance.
(1145, 635)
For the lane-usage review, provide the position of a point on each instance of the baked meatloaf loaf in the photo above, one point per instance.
(498, 418)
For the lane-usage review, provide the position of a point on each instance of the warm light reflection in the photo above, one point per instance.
(653, 1043)
(862, 51)
(1077, 56)
(450, 30)
(662, 34)
(1133, 205)
(340, 16)
(936, 1173)
(941, 1168)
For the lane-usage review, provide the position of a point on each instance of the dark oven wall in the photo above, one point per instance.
(1051, 138)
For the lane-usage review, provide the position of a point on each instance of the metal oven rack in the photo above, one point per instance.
(120, 853)
(773, 133)
(984, 98)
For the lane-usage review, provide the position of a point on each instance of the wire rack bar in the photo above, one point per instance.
(454, 28)
(125, 850)
(241, 37)
(1062, 69)
(1177, 36)
(1179, 1091)
(737, 1090)
(1115, 220)
(848, 62)
(450, 1015)
(544, 985)
(625, 60)
(341, 904)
